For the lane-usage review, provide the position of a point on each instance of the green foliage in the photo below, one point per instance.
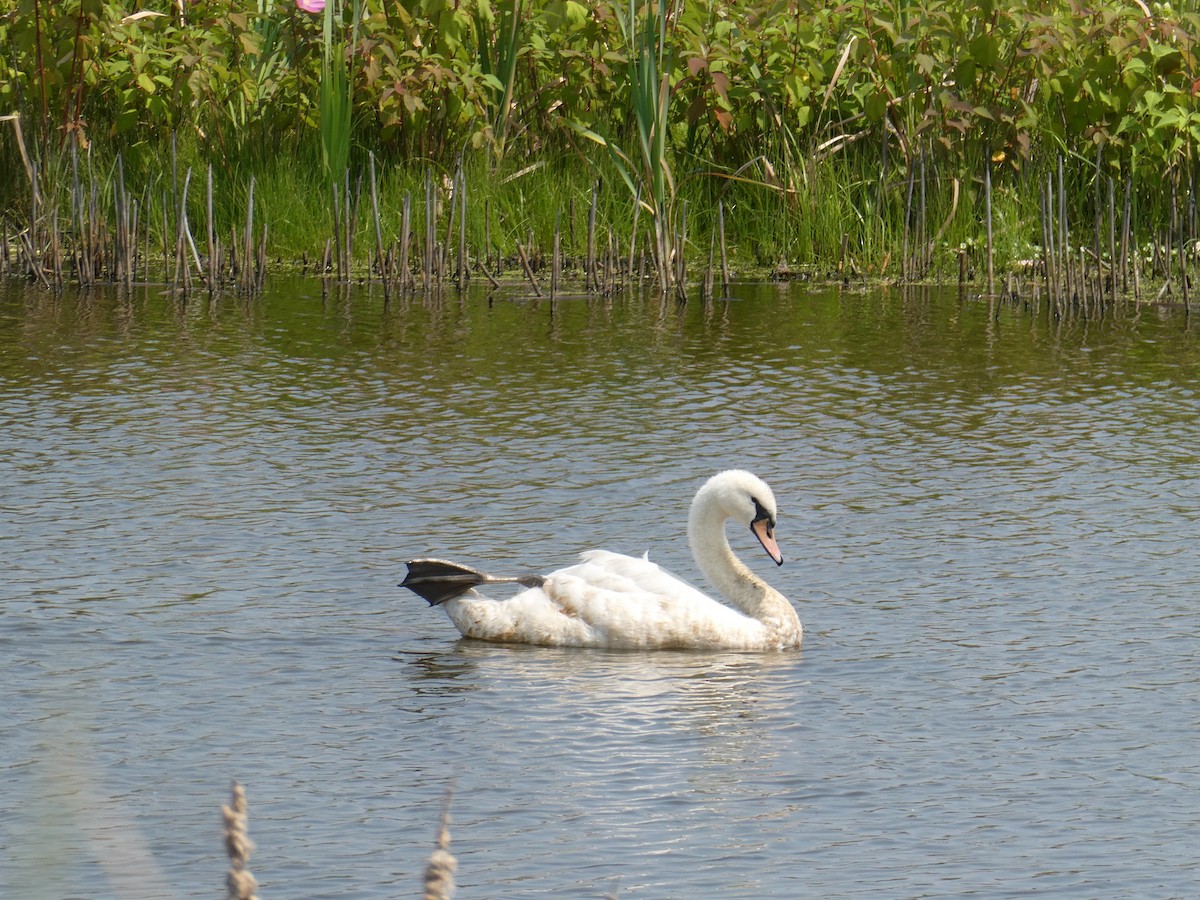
(768, 99)
(649, 84)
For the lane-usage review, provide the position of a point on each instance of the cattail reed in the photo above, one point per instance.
(240, 884)
(439, 874)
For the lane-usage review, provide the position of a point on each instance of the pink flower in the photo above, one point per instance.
(311, 6)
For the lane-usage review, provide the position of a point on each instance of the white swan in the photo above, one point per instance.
(616, 601)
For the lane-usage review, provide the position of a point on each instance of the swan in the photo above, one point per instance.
(614, 601)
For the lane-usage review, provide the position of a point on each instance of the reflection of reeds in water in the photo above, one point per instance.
(241, 885)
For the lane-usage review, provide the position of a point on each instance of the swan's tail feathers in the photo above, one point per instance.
(437, 580)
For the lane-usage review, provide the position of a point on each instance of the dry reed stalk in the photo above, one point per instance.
(335, 239)
(351, 206)
(487, 235)
(235, 264)
(706, 285)
(906, 269)
(1046, 251)
(439, 874)
(528, 269)
(430, 240)
(343, 236)
(405, 240)
(55, 254)
(30, 169)
(1125, 227)
(680, 258)
(248, 242)
(724, 255)
(262, 261)
(34, 215)
(464, 268)
(380, 260)
(1181, 244)
(637, 208)
(146, 204)
(1064, 242)
(124, 251)
(614, 265)
(1172, 225)
(77, 218)
(555, 265)
(212, 249)
(1098, 210)
(591, 240)
(490, 277)
(1081, 283)
(183, 237)
(923, 241)
(453, 217)
(1112, 241)
(987, 188)
(240, 884)
(174, 172)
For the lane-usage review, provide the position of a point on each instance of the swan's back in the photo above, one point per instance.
(610, 600)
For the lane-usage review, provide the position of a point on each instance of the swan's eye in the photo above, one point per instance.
(760, 514)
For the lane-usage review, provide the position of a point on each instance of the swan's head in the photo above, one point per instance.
(745, 498)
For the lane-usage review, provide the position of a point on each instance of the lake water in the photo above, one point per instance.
(990, 528)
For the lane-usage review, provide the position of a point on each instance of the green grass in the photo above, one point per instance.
(832, 222)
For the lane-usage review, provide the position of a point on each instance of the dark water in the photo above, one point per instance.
(991, 528)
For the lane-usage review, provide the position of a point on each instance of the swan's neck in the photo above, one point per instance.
(727, 573)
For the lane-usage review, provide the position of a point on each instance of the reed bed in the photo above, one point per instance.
(1043, 148)
(1069, 238)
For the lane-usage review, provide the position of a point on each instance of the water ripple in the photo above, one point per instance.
(989, 524)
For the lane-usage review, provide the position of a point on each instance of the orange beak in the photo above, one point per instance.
(766, 536)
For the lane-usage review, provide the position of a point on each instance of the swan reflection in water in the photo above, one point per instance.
(721, 706)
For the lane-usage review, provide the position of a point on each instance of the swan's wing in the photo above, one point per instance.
(630, 602)
(631, 575)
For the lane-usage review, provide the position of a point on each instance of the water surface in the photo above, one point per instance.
(989, 521)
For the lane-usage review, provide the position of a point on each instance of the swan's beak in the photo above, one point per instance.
(766, 536)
